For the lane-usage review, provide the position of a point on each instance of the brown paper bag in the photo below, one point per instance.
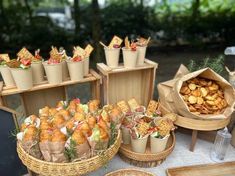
(32, 148)
(171, 99)
(83, 151)
(53, 151)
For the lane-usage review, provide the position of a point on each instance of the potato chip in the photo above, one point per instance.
(192, 99)
(200, 100)
(196, 93)
(203, 91)
(211, 103)
(192, 86)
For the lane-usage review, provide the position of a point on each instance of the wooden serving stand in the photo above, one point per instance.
(205, 125)
(49, 94)
(124, 83)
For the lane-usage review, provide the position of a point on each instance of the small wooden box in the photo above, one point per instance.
(124, 83)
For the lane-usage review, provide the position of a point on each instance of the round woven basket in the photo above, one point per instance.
(129, 172)
(146, 159)
(69, 169)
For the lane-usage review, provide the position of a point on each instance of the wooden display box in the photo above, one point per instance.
(124, 83)
(49, 94)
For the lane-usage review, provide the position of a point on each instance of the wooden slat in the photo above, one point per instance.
(46, 85)
(33, 101)
(219, 169)
(105, 70)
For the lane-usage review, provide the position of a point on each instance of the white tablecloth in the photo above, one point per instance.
(181, 156)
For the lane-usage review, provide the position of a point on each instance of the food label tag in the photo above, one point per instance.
(5, 57)
(54, 54)
(25, 54)
(88, 50)
(115, 41)
(78, 51)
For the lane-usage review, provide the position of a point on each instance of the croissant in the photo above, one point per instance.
(93, 105)
(45, 135)
(78, 137)
(70, 124)
(103, 134)
(105, 116)
(102, 124)
(64, 113)
(58, 136)
(45, 125)
(84, 127)
(91, 120)
(58, 121)
(44, 111)
(79, 117)
(52, 112)
(30, 133)
(72, 107)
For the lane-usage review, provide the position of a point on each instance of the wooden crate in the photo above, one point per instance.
(124, 83)
(48, 94)
(223, 169)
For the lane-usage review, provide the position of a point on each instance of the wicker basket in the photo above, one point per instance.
(129, 172)
(69, 169)
(146, 159)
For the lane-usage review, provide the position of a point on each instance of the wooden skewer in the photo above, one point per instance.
(148, 41)
(103, 44)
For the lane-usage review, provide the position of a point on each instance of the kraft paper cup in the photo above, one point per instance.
(141, 54)
(157, 144)
(23, 78)
(76, 70)
(126, 137)
(86, 66)
(53, 72)
(38, 72)
(139, 145)
(7, 76)
(129, 58)
(65, 71)
(112, 56)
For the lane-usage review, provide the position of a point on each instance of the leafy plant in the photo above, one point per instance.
(216, 64)
(70, 152)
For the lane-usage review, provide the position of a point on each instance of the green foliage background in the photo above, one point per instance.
(190, 22)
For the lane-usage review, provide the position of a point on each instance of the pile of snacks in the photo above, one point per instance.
(203, 96)
(71, 131)
(139, 123)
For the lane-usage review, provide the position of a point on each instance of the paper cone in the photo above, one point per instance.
(112, 56)
(23, 78)
(38, 72)
(53, 72)
(129, 58)
(157, 144)
(139, 145)
(76, 71)
(86, 66)
(65, 71)
(126, 137)
(7, 76)
(141, 54)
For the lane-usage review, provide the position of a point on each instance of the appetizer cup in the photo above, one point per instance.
(7, 76)
(129, 58)
(76, 71)
(53, 72)
(86, 66)
(139, 145)
(112, 56)
(38, 72)
(65, 71)
(141, 55)
(158, 144)
(23, 78)
(126, 137)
